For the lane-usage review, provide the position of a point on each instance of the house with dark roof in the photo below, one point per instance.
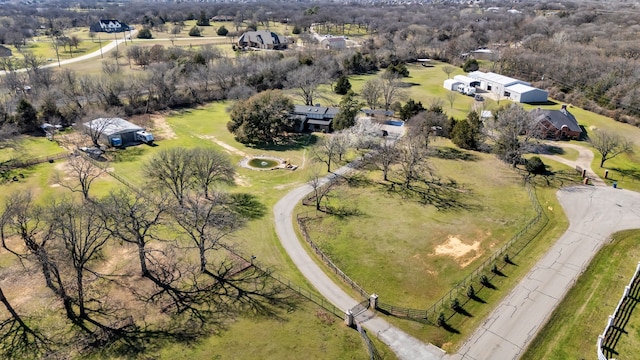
(262, 39)
(556, 124)
(109, 26)
(5, 51)
(313, 118)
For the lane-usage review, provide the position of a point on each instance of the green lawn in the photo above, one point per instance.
(574, 326)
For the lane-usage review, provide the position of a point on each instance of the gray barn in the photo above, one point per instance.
(115, 131)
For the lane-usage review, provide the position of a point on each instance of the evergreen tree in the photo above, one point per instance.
(195, 31)
(26, 116)
(343, 86)
(349, 108)
(145, 33)
(203, 20)
(222, 31)
(411, 109)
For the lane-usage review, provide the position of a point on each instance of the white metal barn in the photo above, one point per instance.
(525, 94)
(466, 80)
(451, 84)
(494, 83)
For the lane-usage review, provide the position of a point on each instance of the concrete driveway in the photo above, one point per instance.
(594, 214)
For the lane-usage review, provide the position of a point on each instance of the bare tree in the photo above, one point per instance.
(411, 155)
(326, 151)
(371, 92)
(321, 186)
(96, 127)
(134, 219)
(513, 132)
(609, 145)
(28, 221)
(170, 170)
(210, 167)
(384, 156)
(305, 80)
(451, 97)
(84, 235)
(205, 221)
(448, 69)
(83, 172)
(390, 87)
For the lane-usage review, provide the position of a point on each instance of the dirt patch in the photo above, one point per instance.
(463, 253)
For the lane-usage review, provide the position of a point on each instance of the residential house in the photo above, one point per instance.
(222, 18)
(334, 43)
(5, 51)
(556, 124)
(109, 26)
(314, 118)
(262, 39)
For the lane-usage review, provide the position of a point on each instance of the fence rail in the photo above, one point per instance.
(405, 313)
(617, 321)
(16, 164)
(301, 218)
(373, 352)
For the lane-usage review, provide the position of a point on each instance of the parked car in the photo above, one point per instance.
(478, 98)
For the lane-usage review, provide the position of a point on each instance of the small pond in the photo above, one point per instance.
(263, 163)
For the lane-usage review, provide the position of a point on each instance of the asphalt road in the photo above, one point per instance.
(594, 214)
(108, 47)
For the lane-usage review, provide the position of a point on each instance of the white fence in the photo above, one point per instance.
(612, 318)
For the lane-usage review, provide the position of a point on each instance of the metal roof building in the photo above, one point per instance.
(112, 129)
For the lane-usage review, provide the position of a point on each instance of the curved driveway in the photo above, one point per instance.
(594, 213)
(405, 346)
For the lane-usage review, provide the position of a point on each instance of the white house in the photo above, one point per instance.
(334, 43)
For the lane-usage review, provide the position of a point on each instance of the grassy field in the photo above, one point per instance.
(574, 326)
(395, 252)
(361, 251)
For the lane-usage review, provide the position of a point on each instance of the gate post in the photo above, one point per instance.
(373, 301)
(348, 318)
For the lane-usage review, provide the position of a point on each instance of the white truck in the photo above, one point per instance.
(144, 137)
(466, 90)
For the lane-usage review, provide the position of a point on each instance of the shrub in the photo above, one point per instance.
(145, 33)
(441, 320)
(535, 166)
(471, 292)
(470, 65)
(222, 31)
(195, 31)
(296, 30)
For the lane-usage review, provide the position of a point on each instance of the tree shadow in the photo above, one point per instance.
(290, 142)
(358, 180)
(476, 298)
(449, 328)
(498, 272)
(451, 153)
(460, 310)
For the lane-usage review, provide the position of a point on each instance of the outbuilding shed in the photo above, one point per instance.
(525, 94)
(467, 81)
(115, 131)
(451, 84)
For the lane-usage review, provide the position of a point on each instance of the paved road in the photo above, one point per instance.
(594, 214)
(110, 46)
(585, 157)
